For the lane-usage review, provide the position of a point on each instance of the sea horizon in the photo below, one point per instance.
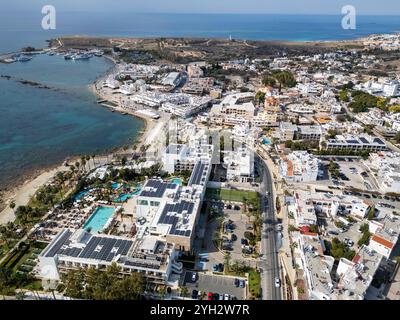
(17, 34)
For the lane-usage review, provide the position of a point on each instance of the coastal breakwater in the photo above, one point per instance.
(29, 83)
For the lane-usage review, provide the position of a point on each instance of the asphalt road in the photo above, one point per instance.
(269, 258)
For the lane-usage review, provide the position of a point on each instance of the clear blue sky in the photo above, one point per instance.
(369, 7)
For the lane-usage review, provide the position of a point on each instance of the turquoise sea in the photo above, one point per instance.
(41, 127)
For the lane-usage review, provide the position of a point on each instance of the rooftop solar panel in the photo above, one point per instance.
(379, 141)
(57, 246)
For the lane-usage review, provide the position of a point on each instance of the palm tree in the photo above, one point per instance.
(184, 291)
(77, 165)
(227, 260)
(83, 161)
(4, 234)
(20, 295)
(93, 158)
(12, 205)
(88, 161)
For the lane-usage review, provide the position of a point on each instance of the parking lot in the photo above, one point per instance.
(352, 233)
(215, 284)
(353, 170)
(230, 213)
(240, 222)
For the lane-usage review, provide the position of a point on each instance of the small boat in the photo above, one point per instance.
(68, 56)
(99, 53)
(83, 56)
(24, 58)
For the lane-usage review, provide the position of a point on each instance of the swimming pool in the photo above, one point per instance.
(115, 185)
(266, 141)
(123, 197)
(99, 219)
(138, 189)
(80, 195)
(177, 181)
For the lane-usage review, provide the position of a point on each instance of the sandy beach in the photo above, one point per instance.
(21, 195)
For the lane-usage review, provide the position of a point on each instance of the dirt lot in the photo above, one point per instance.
(187, 50)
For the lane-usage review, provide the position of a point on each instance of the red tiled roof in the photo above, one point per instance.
(290, 168)
(307, 233)
(305, 229)
(382, 241)
(356, 258)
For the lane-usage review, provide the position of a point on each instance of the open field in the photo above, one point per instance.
(193, 49)
(231, 195)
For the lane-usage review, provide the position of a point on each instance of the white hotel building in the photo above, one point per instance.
(356, 143)
(308, 204)
(385, 168)
(153, 257)
(299, 166)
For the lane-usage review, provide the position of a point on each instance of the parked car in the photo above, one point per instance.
(210, 296)
(350, 243)
(233, 237)
(237, 282)
(194, 276)
(216, 296)
(242, 283)
(226, 296)
(244, 242)
(195, 294)
(277, 282)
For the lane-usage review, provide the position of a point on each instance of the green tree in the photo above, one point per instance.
(364, 239)
(397, 137)
(184, 291)
(124, 160)
(371, 213)
(344, 96)
(227, 260)
(269, 81)
(260, 97)
(314, 228)
(12, 205)
(94, 284)
(285, 79)
(362, 101)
